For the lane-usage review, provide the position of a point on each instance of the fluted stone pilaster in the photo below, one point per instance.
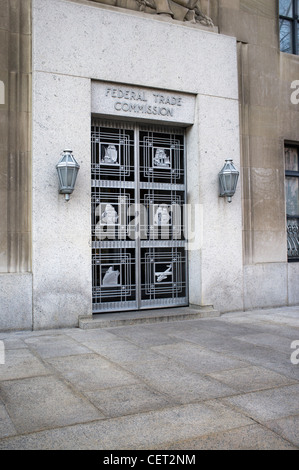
(15, 136)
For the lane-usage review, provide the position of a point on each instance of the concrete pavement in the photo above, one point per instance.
(228, 382)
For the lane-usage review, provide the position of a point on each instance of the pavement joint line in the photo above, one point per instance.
(209, 435)
(118, 418)
(178, 403)
(170, 407)
(256, 421)
(280, 435)
(172, 403)
(158, 353)
(56, 373)
(129, 340)
(163, 356)
(293, 381)
(117, 365)
(141, 380)
(204, 348)
(229, 356)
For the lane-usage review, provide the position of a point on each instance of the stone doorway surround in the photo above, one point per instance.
(177, 58)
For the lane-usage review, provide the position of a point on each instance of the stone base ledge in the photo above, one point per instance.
(108, 320)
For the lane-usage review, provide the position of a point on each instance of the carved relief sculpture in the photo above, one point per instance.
(182, 10)
(110, 278)
(111, 156)
(161, 276)
(161, 216)
(109, 216)
(161, 159)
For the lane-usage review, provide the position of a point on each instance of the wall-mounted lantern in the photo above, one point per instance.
(228, 180)
(67, 169)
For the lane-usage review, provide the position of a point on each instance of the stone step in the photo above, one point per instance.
(108, 320)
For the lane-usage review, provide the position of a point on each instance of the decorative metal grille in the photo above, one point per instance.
(138, 233)
(293, 237)
(292, 200)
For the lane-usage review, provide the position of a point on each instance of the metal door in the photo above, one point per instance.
(139, 257)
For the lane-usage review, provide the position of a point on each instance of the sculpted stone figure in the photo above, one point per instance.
(182, 10)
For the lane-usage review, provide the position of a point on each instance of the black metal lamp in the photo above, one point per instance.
(228, 180)
(67, 169)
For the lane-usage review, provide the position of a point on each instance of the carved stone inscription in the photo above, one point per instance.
(113, 100)
(130, 101)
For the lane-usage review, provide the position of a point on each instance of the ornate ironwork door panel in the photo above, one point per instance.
(138, 232)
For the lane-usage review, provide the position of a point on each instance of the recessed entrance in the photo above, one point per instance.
(139, 257)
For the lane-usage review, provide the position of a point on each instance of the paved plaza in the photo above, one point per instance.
(230, 382)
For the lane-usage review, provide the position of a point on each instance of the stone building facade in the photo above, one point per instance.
(186, 94)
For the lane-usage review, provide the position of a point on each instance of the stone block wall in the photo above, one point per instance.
(15, 165)
(15, 136)
(262, 276)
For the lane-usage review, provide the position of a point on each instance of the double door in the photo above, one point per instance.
(139, 257)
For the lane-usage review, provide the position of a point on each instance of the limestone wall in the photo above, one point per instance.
(77, 43)
(15, 164)
(268, 119)
(242, 263)
(15, 143)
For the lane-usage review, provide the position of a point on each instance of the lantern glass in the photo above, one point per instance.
(67, 169)
(228, 180)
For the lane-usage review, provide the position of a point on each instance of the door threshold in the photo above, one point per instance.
(108, 320)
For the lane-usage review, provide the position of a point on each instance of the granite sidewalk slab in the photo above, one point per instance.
(228, 382)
